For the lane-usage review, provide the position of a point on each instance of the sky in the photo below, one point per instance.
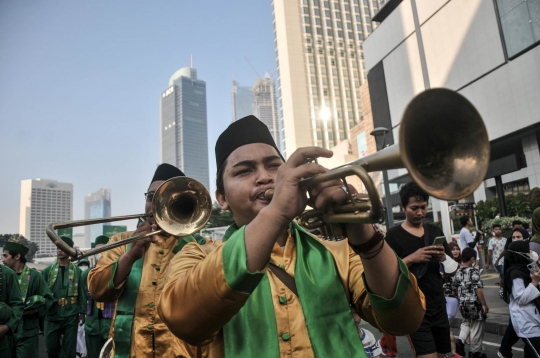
(80, 87)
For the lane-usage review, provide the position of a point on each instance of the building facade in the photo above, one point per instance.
(265, 104)
(183, 130)
(96, 206)
(43, 202)
(320, 68)
(241, 101)
(485, 50)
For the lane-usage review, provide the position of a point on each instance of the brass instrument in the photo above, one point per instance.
(444, 145)
(181, 207)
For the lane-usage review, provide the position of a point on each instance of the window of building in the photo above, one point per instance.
(327, 13)
(349, 26)
(305, 10)
(317, 12)
(339, 25)
(329, 32)
(316, 2)
(317, 21)
(318, 31)
(326, 4)
(328, 22)
(320, 51)
(307, 29)
(309, 49)
(305, 19)
(348, 17)
(520, 24)
(336, 6)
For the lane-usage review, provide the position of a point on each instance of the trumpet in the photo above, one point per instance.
(181, 206)
(444, 145)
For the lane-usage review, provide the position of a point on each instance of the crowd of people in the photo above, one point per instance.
(270, 288)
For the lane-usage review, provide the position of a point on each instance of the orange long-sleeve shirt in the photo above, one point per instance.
(197, 279)
(148, 329)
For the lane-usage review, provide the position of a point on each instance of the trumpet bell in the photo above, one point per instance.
(444, 144)
(181, 206)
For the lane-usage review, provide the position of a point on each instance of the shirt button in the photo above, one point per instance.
(154, 283)
(150, 327)
(158, 268)
(282, 300)
(151, 304)
(281, 266)
(161, 251)
(286, 336)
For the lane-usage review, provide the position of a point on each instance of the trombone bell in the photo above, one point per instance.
(181, 206)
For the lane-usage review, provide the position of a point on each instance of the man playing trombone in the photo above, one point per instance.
(134, 275)
(271, 289)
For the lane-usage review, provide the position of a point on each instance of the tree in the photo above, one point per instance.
(220, 217)
(32, 246)
(534, 198)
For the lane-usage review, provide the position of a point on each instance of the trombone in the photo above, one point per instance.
(444, 145)
(181, 207)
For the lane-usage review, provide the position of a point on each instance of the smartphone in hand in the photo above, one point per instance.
(439, 241)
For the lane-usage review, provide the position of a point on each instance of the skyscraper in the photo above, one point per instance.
(265, 104)
(43, 202)
(320, 68)
(241, 101)
(183, 133)
(96, 206)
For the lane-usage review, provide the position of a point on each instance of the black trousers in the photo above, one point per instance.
(509, 339)
(532, 347)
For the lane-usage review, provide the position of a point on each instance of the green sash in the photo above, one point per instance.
(125, 310)
(24, 281)
(73, 278)
(187, 239)
(332, 332)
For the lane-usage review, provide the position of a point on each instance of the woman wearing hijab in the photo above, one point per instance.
(535, 237)
(521, 291)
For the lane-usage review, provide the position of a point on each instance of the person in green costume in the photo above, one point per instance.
(98, 314)
(11, 309)
(67, 308)
(34, 292)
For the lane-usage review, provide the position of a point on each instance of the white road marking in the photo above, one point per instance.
(498, 345)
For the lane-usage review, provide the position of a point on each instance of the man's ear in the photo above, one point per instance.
(222, 200)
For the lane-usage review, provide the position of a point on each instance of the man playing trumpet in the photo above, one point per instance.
(231, 300)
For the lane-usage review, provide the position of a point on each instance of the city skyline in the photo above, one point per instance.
(241, 101)
(97, 205)
(84, 108)
(183, 125)
(320, 68)
(44, 201)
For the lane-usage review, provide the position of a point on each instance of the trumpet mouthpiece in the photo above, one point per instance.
(269, 194)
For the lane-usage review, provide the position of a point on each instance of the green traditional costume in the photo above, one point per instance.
(35, 294)
(68, 302)
(98, 315)
(11, 309)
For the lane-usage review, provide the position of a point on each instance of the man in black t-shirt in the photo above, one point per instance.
(413, 242)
